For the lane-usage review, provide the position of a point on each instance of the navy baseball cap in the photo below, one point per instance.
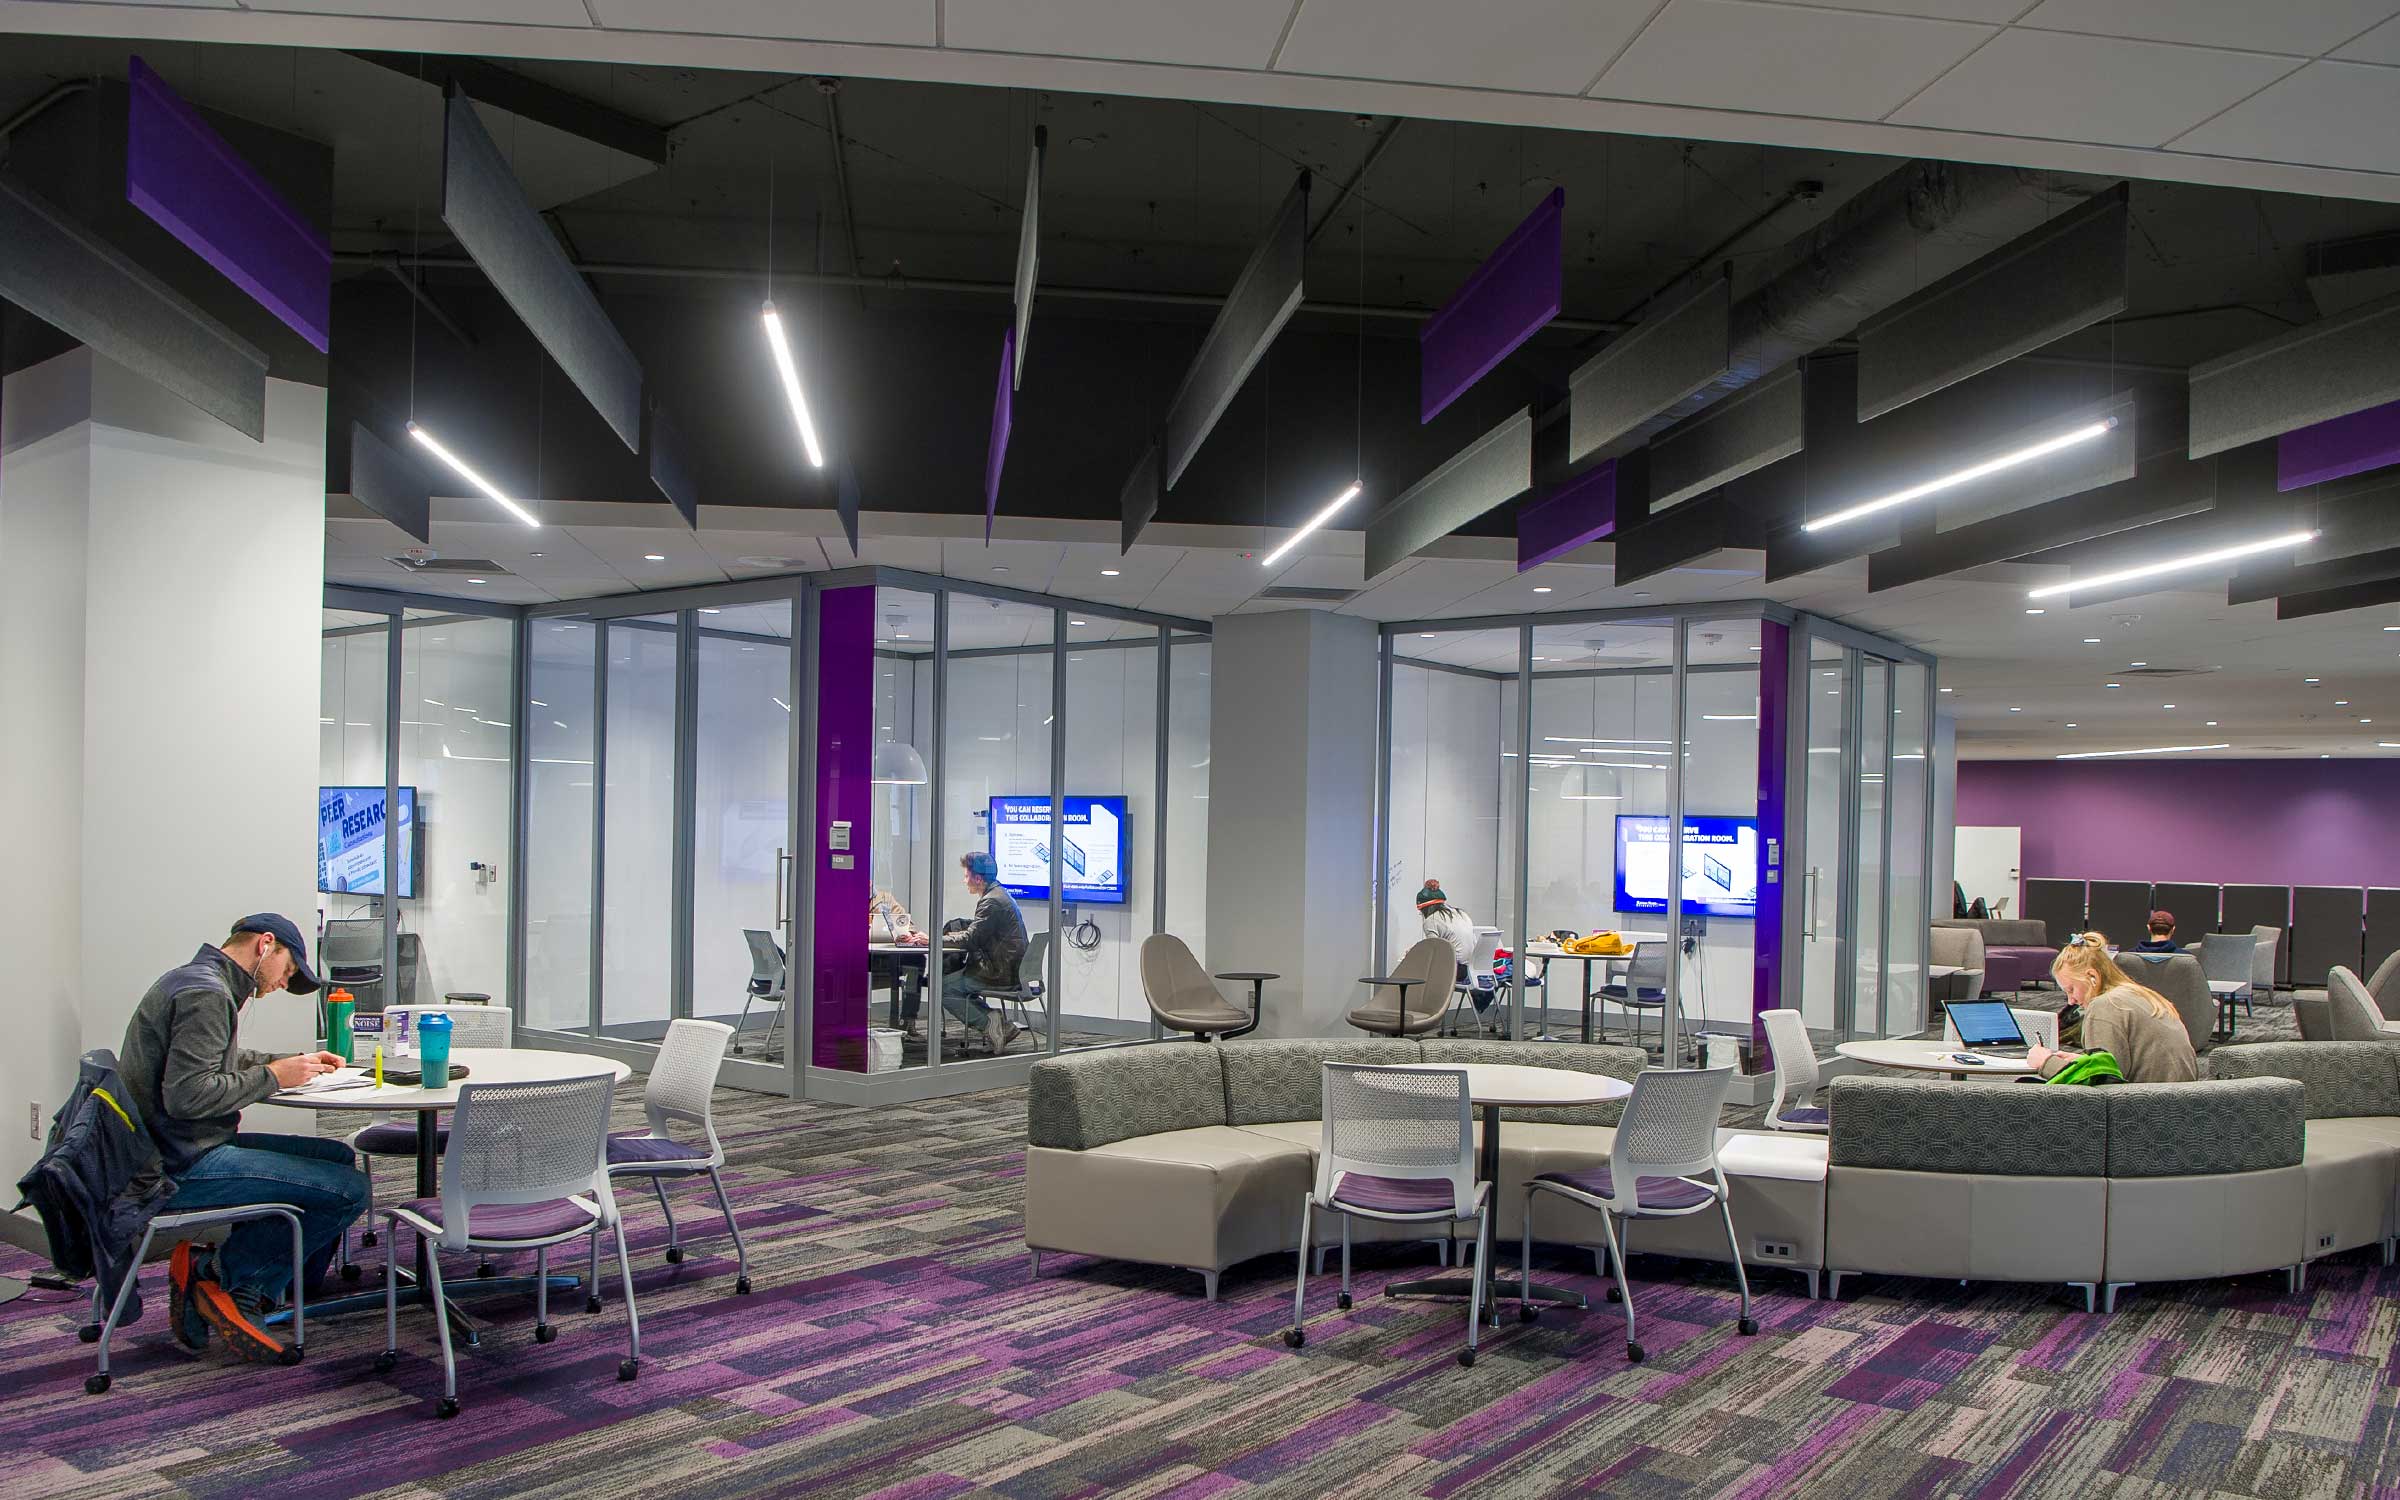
(280, 928)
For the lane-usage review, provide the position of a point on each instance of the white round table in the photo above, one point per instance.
(482, 1065)
(1922, 1056)
(1493, 1085)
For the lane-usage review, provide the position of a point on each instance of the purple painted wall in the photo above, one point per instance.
(2220, 822)
(845, 791)
(1774, 722)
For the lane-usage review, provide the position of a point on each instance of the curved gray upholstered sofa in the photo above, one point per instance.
(1197, 1155)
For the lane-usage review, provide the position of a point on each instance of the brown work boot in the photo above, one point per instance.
(239, 1317)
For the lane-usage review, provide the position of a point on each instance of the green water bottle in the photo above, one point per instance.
(339, 1007)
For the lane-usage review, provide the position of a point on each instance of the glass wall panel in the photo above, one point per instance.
(559, 740)
(1823, 865)
(901, 913)
(1868, 905)
(1453, 733)
(353, 668)
(457, 687)
(638, 838)
(996, 744)
(1597, 816)
(741, 772)
(1724, 894)
(1111, 738)
(1186, 830)
(1905, 989)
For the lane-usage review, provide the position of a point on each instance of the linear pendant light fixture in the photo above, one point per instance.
(2148, 750)
(1967, 475)
(791, 383)
(1313, 522)
(458, 464)
(2175, 564)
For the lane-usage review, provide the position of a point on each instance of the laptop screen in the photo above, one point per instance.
(1985, 1023)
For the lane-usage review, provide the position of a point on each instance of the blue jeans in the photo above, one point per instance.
(311, 1173)
(958, 998)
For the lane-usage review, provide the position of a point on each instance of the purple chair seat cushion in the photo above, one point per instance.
(1656, 1192)
(1392, 1195)
(626, 1150)
(1805, 1114)
(395, 1138)
(513, 1221)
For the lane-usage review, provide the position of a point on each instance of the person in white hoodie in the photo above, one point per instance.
(1439, 919)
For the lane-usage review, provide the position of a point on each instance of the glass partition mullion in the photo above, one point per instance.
(1055, 974)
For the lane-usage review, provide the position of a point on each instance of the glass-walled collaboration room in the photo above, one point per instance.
(903, 834)
(1545, 779)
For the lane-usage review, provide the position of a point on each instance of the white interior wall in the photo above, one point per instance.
(159, 609)
(558, 826)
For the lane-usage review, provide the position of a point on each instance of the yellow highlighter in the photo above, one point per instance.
(379, 1067)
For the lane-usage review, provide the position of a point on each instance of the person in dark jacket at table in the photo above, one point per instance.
(2162, 934)
(184, 1064)
(989, 952)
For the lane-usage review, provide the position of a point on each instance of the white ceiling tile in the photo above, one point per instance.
(1537, 46)
(2089, 88)
(2382, 45)
(1995, 11)
(1780, 59)
(1217, 34)
(514, 12)
(2338, 114)
(2304, 27)
(907, 23)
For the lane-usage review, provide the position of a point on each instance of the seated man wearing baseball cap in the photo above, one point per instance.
(191, 1079)
(2162, 934)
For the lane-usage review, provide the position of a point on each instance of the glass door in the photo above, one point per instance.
(740, 853)
(1825, 850)
(1861, 902)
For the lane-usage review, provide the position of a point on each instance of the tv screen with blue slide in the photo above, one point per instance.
(1092, 853)
(1720, 864)
(350, 830)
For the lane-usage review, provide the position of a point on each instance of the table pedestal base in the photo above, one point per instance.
(1496, 1290)
(412, 1294)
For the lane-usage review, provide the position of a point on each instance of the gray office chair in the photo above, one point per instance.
(527, 1169)
(1421, 1006)
(1398, 1145)
(681, 1090)
(1181, 995)
(2384, 986)
(2352, 1010)
(1482, 984)
(471, 1026)
(1030, 988)
(1666, 1142)
(350, 954)
(2179, 977)
(766, 984)
(175, 1226)
(1644, 987)
(2262, 962)
(2228, 960)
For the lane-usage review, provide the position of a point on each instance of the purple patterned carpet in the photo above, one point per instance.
(895, 1348)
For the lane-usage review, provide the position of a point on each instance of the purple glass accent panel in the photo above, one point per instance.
(1508, 299)
(2348, 445)
(1002, 405)
(1775, 726)
(845, 793)
(1582, 510)
(183, 174)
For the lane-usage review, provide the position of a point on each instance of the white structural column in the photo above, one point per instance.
(1291, 811)
(161, 590)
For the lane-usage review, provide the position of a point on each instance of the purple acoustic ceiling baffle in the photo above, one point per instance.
(1508, 299)
(1584, 509)
(183, 174)
(2353, 444)
(997, 454)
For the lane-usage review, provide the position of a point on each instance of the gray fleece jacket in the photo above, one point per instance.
(183, 1062)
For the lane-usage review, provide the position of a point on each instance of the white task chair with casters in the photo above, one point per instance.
(1399, 1146)
(386, 1140)
(1795, 1059)
(766, 985)
(1663, 1166)
(527, 1169)
(1481, 988)
(184, 1226)
(680, 1091)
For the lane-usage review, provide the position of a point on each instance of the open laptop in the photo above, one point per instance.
(1987, 1026)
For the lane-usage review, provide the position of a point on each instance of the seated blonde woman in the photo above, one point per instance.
(2135, 1025)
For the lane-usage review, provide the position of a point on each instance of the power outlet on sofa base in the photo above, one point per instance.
(1773, 1250)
